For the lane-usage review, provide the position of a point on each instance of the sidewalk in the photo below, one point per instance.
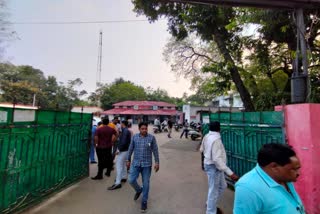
(180, 187)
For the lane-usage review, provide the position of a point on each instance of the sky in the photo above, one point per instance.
(132, 50)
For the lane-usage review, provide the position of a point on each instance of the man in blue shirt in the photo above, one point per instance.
(268, 187)
(142, 145)
(92, 149)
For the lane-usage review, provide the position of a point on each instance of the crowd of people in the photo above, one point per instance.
(111, 140)
(267, 188)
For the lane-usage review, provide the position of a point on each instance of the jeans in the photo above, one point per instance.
(121, 166)
(133, 176)
(185, 131)
(217, 184)
(92, 152)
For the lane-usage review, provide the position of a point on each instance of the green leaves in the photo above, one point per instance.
(21, 84)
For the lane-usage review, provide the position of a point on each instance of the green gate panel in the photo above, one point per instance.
(41, 156)
(243, 134)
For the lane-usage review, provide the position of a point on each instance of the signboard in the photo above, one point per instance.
(3, 116)
(24, 115)
(154, 107)
(135, 107)
(205, 119)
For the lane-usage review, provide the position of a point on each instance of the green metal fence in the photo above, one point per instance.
(243, 134)
(41, 152)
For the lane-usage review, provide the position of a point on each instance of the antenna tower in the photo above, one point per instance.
(99, 65)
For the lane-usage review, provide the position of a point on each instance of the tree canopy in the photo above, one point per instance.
(258, 66)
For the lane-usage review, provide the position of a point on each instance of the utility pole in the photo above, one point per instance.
(99, 68)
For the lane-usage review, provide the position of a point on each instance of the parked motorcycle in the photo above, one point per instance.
(163, 128)
(195, 131)
(177, 126)
(194, 135)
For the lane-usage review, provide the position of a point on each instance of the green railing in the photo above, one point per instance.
(41, 152)
(243, 134)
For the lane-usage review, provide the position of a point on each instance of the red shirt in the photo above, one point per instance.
(104, 134)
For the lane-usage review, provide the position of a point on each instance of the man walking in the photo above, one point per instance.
(170, 125)
(215, 165)
(185, 129)
(142, 145)
(268, 187)
(104, 138)
(122, 155)
(92, 149)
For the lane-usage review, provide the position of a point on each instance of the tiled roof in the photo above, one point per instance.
(139, 112)
(144, 103)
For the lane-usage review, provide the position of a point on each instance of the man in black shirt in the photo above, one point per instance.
(170, 125)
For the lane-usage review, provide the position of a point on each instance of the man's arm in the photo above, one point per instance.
(130, 151)
(216, 152)
(114, 136)
(96, 140)
(155, 151)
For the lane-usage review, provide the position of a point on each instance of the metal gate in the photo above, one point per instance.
(41, 152)
(243, 134)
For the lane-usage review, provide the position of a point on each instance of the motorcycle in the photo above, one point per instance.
(177, 126)
(195, 131)
(163, 128)
(194, 135)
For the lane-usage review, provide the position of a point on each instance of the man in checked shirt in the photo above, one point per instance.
(142, 145)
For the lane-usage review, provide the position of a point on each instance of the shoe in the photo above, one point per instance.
(137, 195)
(97, 177)
(144, 207)
(219, 211)
(115, 186)
(107, 174)
(123, 180)
(93, 162)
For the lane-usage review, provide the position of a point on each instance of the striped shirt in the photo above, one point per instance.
(143, 147)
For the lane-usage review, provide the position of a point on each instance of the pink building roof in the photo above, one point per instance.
(144, 103)
(139, 112)
(144, 108)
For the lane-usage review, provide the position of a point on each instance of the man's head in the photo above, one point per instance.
(280, 162)
(214, 126)
(143, 128)
(115, 120)
(105, 121)
(124, 124)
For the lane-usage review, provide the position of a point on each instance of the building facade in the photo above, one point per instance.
(136, 111)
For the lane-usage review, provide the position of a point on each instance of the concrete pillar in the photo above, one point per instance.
(303, 133)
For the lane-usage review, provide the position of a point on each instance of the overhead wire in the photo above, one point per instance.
(77, 22)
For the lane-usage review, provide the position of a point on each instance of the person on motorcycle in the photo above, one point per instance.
(157, 123)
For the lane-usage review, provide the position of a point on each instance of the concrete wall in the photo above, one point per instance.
(303, 133)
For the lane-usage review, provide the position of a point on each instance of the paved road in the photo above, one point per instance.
(180, 187)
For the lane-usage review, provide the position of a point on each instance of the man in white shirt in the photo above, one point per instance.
(215, 165)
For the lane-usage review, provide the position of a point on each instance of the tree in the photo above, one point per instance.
(275, 46)
(21, 84)
(209, 23)
(158, 95)
(120, 91)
